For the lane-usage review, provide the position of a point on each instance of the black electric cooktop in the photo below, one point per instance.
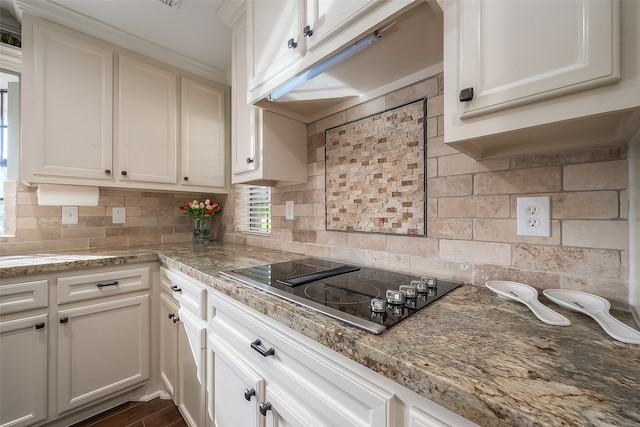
(347, 292)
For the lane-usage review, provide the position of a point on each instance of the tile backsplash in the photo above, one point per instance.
(151, 218)
(471, 213)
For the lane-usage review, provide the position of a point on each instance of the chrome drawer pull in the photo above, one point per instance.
(256, 346)
(102, 285)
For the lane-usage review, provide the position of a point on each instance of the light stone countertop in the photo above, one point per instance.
(483, 357)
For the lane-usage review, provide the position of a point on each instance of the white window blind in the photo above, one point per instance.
(253, 207)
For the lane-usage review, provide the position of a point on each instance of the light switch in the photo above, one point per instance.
(288, 209)
(119, 215)
(69, 214)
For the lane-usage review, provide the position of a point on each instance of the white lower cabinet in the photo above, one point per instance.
(94, 350)
(102, 348)
(23, 371)
(183, 344)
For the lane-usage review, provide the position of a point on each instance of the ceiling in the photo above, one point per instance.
(195, 30)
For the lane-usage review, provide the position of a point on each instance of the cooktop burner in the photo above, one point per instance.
(367, 298)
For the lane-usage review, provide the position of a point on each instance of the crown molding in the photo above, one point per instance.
(94, 28)
(10, 58)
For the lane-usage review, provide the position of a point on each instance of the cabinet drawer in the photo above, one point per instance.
(101, 284)
(190, 294)
(23, 296)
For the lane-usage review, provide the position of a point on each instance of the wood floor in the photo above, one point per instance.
(154, 413)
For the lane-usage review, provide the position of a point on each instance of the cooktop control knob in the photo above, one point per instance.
(410, 292)
(378, 305)
(395, 297)
(421, 287)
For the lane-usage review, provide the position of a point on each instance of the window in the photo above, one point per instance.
(254, 209)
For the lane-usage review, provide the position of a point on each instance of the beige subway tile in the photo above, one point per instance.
(82, 232)
(367, 241)
(432, 208)
(522, 181)
(541, 280)
(505, 230)
(567, 260)
(111, 200)
(91, 211)
(450, 228)
(475, 252)
(435, 106)
(459, 164)
(39, 234)
(589, 155)
(16, 247)
(38, 211)
(458, 271)
(319, 154)
(140, 201)
(304, 236)
(596, 234)
(624, 204)
(65, 244)
(332, 238)
(345, 254)
(616, 291)
(585, 205)
(432, 127)
(140, 240)
(417, 246)
(436, 147)
(176, 237)
(389, 261)
(317, 251)
(366, 109)
(441, 125)
(27, 223)
(597, 176)
(331, 121)
(315, 169)
(26, 198)
(311, 129)
(474, 207)
(149, 211)
(450, 186)
(294, 247)
(424, 89)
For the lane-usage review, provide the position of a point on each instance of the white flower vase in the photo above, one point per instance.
(201, 229)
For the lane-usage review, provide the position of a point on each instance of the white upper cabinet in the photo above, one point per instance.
(204, 147)
(326, 18)
(95, 114)
(275, 37)
(67, 105)
(147, 113)
(267, 148)
(568, 83)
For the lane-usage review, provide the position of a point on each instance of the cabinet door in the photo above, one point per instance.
(326, 18)
(271, 25)
(236, 388)
(203, 142)
(283, 410)
(102, 348)
(191, 368)
(243, 136)
(509, 59)
(23, 371)
(169, 345)
(68, 92)
(147, 118)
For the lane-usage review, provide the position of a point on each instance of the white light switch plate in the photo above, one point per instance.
(69, 214)
(288, 209)
(534, 216)
(119, 215)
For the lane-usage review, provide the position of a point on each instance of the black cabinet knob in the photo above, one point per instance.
(307, 31)
(292, 44)
(39, 325)
(264, 407)
(186, 178)
(466, 94)
(64, 319)
(107, 171)
(248, 393)
(124, 173)
(249, 160)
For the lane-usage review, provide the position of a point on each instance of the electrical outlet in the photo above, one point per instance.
(288, 209)
(69, 214)
(534, 216)
(119, 215)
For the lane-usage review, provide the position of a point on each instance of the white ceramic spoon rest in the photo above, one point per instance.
(597, 308)
(528, 296)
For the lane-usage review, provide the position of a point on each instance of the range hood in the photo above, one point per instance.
(401, 53)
